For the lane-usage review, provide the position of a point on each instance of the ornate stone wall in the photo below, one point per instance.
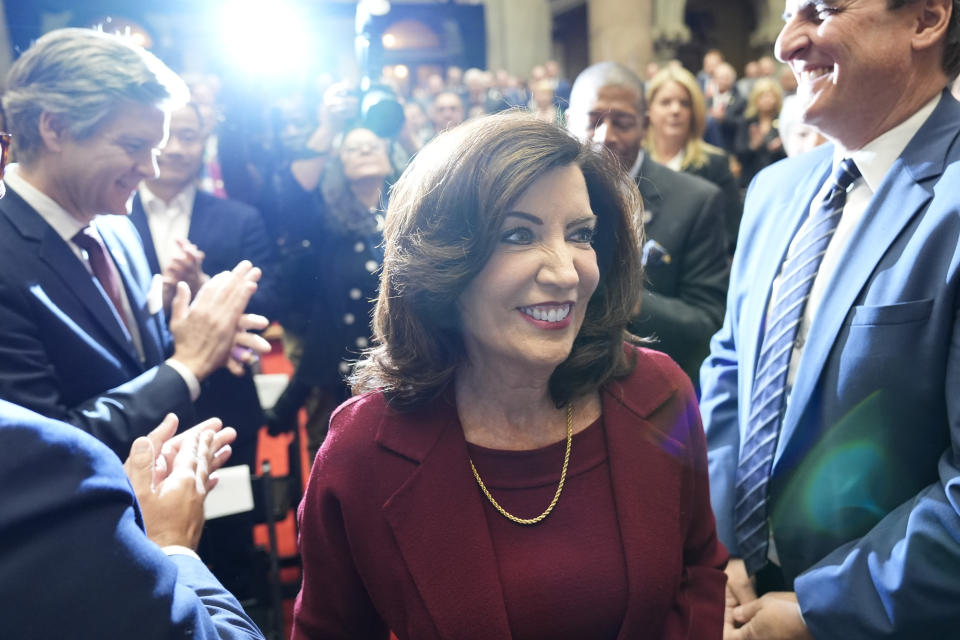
(518, 34)
(621, 30)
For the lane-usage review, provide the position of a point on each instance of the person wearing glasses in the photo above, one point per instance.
(685, 254)
(93, 548)
(511, 467)
(332, 281)
(188, 234)
(83, 336)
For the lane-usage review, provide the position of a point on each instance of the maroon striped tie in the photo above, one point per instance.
(103, 268)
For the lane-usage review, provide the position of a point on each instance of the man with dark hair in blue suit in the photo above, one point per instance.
(831, 397)
(75, 557)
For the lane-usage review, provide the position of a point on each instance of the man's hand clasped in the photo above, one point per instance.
(171, 476)
(213, 331)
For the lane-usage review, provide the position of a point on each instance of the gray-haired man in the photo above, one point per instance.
(82, 332)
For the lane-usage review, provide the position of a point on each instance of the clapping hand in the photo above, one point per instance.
(171, 477)
(207, 330)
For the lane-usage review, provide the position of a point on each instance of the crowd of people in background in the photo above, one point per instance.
(711, 124)
(514, 292)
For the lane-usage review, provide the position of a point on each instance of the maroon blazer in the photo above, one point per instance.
(393, 534)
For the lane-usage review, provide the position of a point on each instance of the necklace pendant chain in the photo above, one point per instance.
(556, 496)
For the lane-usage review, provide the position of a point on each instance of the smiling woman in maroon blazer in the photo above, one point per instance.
(512, 468)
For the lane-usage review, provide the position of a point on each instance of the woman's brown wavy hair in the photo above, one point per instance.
(443, 224)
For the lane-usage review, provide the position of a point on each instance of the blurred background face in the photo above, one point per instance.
(652, 69)
(671, 111)
(435, 83)
(787, 80)
(724, 76)
(182, 157)
(802, 138)
(454, 76)
(766, 67)
(342, 102)
(543, 95)
(710, 61)
(768, 103)
(204, 96)
(446, 112)
(414, 116)
(364, 156)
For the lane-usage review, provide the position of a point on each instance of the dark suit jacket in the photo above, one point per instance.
(683, 303)
(864, 495)
(74, 560)
(63, 351)
(753, 160)
(722, 132)
(394, 535)
(227, 231)
(717, 171)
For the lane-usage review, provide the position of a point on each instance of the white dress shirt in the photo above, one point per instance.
(168, 222)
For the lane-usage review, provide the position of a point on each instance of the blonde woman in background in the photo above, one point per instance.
(677, 115)
(758, 142)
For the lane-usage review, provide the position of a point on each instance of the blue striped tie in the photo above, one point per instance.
(769, 385)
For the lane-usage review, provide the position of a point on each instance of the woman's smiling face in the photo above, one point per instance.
(528, 303)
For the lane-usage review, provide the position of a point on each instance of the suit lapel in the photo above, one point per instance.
(901, 196)
(649, 191)
(628, 433)
(59, 257)
(139, 218)
(438, 521)
(791, 208)
(150, 338)
(437, 514)
(199, 232)
(54, 252)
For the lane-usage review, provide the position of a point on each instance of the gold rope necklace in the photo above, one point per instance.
(556, 496)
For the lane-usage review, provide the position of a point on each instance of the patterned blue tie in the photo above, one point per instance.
(769, 385)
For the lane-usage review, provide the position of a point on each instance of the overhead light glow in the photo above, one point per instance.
(401, 72)
(375, 7)
(264, 38)
(389, 40)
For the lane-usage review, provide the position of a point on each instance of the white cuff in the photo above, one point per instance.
(191, 380)
(178, 550)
